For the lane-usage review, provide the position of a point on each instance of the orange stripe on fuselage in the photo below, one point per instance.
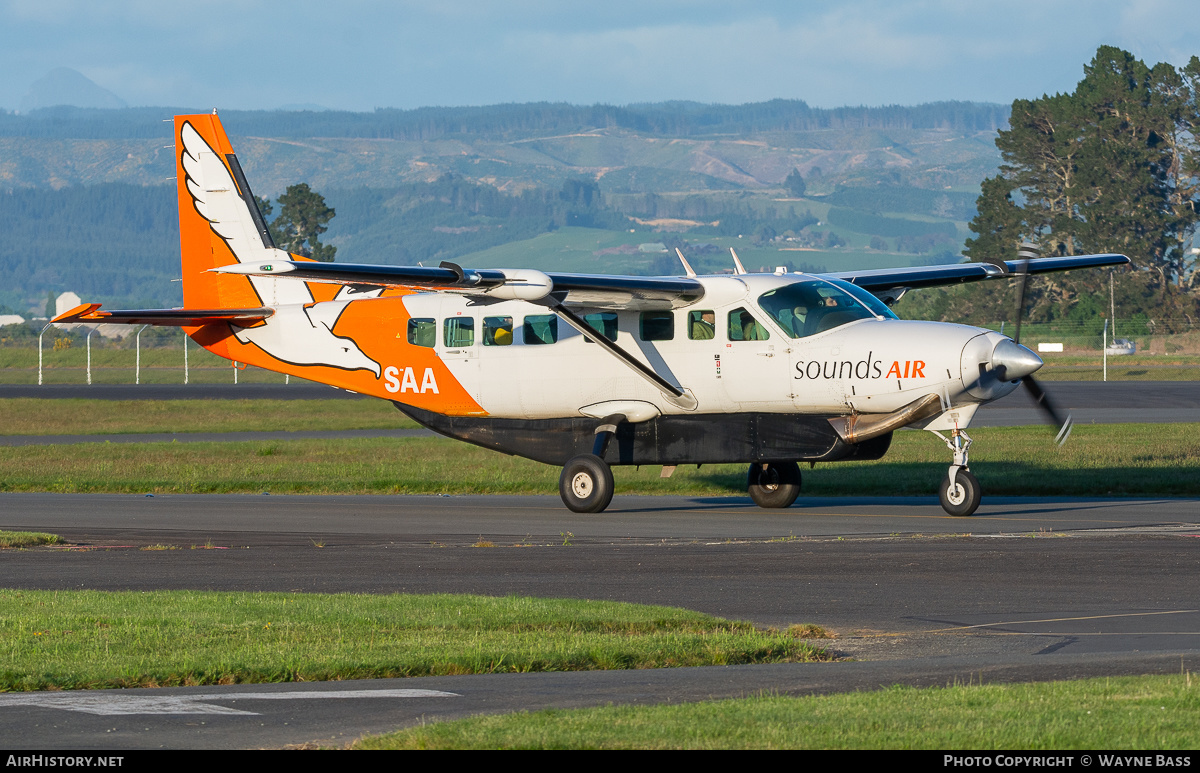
(410, 374)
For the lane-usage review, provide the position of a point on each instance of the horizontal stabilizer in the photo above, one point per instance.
(90, 312)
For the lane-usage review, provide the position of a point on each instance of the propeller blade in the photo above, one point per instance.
(1026, 252)
(1020, 304)
(1042, 400)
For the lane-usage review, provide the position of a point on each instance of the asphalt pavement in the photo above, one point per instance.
(1027, 589)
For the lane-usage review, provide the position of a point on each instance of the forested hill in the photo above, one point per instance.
(87, 196)
(669, 119)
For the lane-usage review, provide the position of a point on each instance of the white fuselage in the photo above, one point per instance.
(873, 365)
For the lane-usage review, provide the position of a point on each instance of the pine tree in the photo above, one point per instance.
(794, 183)
(1110, 167)
(303, 217)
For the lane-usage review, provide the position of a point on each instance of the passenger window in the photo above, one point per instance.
(540, 329)
(497, 331)
(422, 332)
(459, 332)
(604, 323)
(658, 326)
(702, 325)
(744, 327)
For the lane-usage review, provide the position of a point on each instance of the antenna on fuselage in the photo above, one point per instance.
(738, 268)
(686, 266)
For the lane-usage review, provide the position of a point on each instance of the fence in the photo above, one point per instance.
(83, 355)
(1151, 337)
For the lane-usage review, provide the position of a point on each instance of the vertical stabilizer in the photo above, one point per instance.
(220, 224)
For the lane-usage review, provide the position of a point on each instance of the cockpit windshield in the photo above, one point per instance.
(816, 305)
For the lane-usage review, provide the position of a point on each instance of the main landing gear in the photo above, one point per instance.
(773, 484)
(586, 483)
(959, 491)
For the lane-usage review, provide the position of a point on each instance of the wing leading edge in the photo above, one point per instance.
(593, 291)
(915, 277)
(598, 291)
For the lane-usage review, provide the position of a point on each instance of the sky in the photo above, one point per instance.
(364, 54)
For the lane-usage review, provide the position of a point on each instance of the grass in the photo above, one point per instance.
(33, 416)
(24, 539)
(1099, 460)
(93, 639)
(1140, 713)
(114, 365)
(1090, 367)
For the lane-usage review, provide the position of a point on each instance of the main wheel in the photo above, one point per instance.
(963, 497)
(776, 486)
(586, 484)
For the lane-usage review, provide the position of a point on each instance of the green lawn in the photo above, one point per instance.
(32, 416)
(1148, 713)
(1099, 460)
(92, 639)
(22, 539)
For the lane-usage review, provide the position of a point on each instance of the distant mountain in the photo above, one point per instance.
(679, 147)
(64, 86)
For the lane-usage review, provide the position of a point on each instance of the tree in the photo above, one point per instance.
(303, 216)
(794, 183)
(581, 193)
(763, 234)
(1110, 167)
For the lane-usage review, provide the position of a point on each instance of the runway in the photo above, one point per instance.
(1028, 588)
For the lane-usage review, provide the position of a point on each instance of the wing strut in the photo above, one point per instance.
(676, 395)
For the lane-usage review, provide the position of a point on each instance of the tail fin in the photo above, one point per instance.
(220, 223)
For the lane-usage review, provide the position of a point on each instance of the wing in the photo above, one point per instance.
(896, 281)
(579, 290)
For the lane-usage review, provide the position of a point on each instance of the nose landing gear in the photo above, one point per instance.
(959, 491)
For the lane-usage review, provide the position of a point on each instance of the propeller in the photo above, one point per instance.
(1011, 359)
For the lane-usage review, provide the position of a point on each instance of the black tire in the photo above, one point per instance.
(586, 484)
(964, 498)
(776, 486)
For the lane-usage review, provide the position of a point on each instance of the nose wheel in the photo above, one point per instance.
(959, 491)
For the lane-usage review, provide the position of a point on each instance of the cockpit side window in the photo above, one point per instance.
(807, 308)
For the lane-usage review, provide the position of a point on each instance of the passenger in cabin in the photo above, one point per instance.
(799, 314)
(497, 331)
(704, 325)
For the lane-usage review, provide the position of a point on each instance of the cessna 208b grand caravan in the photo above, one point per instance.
(588, 371)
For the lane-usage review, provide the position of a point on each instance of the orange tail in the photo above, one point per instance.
(219, 221)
